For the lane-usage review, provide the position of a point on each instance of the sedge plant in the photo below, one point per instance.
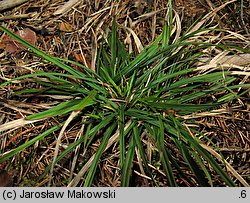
(130, 99)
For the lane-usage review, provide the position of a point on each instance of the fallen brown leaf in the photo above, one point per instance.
(12, 46)
(65, 27)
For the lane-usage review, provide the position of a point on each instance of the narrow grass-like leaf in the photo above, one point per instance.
(203, 167)
(127, 166)
(137, 134)
(110, 80)
(20, 148)
(41, 53)
(139, 59)
(60, 109)
(65, 107)
(104, 122)
(87, 101)
(214, 164)
(167, 167)
(92, 169)
(121, 136)
(164, 154)
(193, 166)
(86, 69)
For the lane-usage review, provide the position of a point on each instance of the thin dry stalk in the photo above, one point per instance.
(58, 143)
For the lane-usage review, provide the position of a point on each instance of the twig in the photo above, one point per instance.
(21, 16)
(232, 150)
(5, 4)
(67, 6)
(241, 16)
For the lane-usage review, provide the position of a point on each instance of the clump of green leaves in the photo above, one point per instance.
(129, 99)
